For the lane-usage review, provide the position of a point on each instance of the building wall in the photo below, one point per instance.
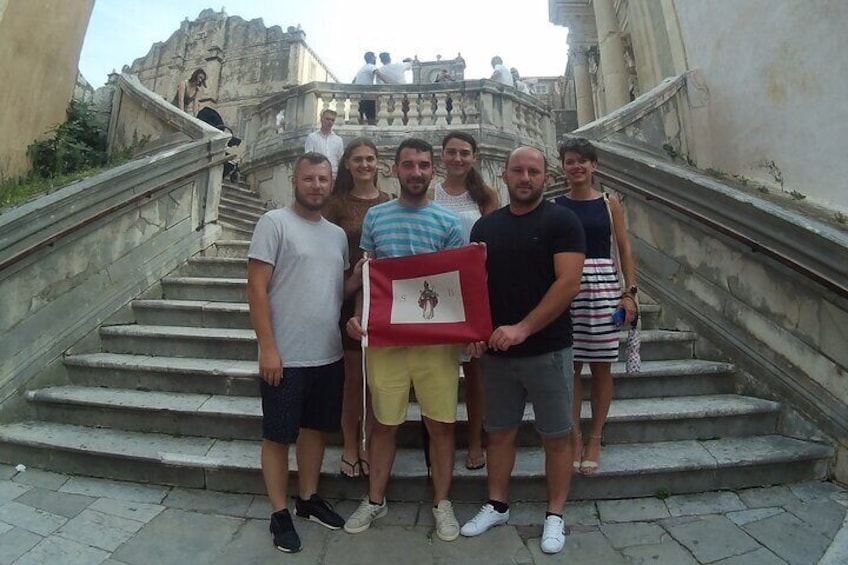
(38, 62)
(776, 73)
(245, 62)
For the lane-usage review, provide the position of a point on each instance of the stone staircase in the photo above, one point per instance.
(173, 399)
(239, 210)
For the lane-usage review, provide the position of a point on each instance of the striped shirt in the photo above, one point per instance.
(393, 230)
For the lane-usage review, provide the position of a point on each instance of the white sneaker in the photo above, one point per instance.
(553, 535)
(361, 519)
(486, 518)
(447, 527)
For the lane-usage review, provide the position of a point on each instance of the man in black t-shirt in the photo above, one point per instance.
(535, 253)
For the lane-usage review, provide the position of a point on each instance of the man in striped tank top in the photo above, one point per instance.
(410, 225)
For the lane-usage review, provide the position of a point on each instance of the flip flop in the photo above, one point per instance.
(589, 466)
(475, 463)
(350, 470)
(364, 468)
(576, 462)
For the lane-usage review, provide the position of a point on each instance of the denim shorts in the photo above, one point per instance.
(546, 380)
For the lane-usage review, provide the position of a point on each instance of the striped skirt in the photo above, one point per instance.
(595, 335)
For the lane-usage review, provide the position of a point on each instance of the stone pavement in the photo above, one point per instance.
(53, 518)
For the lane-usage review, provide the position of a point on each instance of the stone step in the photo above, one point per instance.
(237, 223)
(180, 341)
(222, 343)
(234, 232)
(237, 186)
(199, 313)
(164, 374)
(195, 313)
(209, 289)
(220, 376)
(231, 199)
(632, 470)
(231, 205)
(238, 192)
(213, 267)
(239, 417)
(228, 248)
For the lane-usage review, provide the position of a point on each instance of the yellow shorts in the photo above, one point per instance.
(432, 370)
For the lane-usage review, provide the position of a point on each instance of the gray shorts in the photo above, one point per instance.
(546, 380)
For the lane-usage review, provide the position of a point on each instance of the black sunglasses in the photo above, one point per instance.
(576, 142)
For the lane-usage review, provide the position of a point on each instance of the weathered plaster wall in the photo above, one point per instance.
(776, 73)
(39, 55)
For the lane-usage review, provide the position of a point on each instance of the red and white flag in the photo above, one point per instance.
(428, 299)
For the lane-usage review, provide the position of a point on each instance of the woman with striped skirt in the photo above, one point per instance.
(601, 293)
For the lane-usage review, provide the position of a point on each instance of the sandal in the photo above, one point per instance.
(589, 466)
(577, 461)
(475, 463)
(364, 468)
(350, 470)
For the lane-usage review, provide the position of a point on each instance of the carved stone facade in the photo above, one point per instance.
(425, 72)
(245, 63)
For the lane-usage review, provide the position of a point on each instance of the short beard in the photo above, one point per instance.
(308, 205)
(533, 197)
(415, 197)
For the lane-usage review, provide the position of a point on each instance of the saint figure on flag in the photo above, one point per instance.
(427, 301)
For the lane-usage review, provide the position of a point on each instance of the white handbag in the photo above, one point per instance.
(633, 347)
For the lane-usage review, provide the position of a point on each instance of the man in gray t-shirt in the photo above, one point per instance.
(295, 287)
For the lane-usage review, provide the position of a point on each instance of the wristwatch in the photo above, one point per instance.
(633, 290)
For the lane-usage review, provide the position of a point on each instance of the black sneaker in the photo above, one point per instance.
(283, 532)
(318, 510)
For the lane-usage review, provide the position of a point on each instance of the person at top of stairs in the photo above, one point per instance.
(295, 287)
(595, 333)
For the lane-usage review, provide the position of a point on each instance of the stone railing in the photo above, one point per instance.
(499, 118)
(72, 259)
(140, 115)
(761, 282)
(669, 120)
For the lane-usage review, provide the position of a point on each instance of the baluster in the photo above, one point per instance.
(441, 113)
(396, 110)
(519, 122)
(383, 110)
(470, 107)
(345, 109)
(404, 107)
(416, 111)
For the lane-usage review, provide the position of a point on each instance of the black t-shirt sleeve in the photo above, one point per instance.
(566, 231)
(476, 231)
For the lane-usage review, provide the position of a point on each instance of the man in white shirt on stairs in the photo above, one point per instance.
(325, 141)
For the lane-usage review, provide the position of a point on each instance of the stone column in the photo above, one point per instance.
(582, 88)
(612, 55)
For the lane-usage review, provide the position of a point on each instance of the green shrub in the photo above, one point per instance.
(77, 144)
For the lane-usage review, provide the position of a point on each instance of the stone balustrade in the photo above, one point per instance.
(500, 118)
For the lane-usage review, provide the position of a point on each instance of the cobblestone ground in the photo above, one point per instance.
(54, 518)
